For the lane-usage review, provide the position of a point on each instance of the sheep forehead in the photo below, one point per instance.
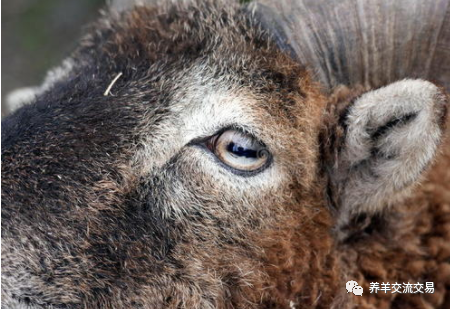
(215, 76)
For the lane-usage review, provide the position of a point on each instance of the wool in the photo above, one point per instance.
(111, 200)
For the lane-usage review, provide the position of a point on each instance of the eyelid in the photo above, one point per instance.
(240, 128)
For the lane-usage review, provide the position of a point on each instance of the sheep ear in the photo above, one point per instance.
(389, 137)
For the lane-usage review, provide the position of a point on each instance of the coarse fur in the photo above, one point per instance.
(109, 199)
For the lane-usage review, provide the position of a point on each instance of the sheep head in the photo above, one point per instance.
(180, 159)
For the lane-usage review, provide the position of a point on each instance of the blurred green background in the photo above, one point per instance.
(37, 35)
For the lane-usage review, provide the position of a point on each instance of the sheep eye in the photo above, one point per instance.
(239, 151)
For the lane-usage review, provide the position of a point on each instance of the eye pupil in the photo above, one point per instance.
(241, 151)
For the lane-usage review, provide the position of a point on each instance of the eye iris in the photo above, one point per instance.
(240, 151)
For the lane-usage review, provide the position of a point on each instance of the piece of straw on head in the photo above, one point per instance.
(107, 91)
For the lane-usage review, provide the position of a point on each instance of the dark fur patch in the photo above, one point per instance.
(391, 124)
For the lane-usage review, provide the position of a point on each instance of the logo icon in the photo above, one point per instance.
(352, 286)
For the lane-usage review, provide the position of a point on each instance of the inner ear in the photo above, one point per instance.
(381, 143)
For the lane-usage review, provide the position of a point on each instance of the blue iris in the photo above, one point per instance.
(241, 151)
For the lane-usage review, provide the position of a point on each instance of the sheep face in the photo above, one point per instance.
(182, 161)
